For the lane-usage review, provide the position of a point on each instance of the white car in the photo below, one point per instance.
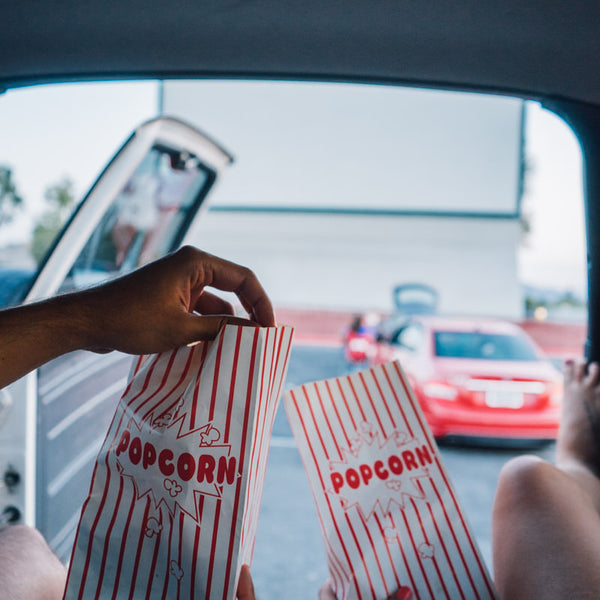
(54, 419)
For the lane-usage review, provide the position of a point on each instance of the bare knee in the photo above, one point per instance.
(544, 533)
(525, 480)
(28, 567)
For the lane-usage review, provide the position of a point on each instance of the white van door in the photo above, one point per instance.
(53, 421)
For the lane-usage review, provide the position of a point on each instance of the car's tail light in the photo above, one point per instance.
(440, 390)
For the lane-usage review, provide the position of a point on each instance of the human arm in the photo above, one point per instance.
(149, 310)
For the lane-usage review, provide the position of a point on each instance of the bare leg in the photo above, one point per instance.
(28, 568)
(546, 520)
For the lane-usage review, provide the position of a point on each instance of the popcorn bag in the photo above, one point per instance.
(174, 501)
(389, 517)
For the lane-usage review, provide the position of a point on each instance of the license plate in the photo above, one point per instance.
(503, 399)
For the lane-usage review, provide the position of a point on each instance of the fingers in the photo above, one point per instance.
(580, 368)
(591, 379)
(326, 591)
(569, 370)
(231, 277)
(402, 593)
(210, 304)
(166, 293)
(205, 328)
(580, 372)
(245, 587)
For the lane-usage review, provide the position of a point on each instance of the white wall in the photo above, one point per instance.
(353, 262)
(365, 148)
(362, 146)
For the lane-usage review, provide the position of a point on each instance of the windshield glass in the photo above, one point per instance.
(14, 284)
(144, 221)
(467, 344)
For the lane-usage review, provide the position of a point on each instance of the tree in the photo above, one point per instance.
(60, 198)
(10, 200)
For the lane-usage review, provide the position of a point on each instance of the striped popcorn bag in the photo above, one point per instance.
(389, 516)
(173, 506)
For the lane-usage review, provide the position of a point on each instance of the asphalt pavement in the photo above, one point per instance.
(289, 559)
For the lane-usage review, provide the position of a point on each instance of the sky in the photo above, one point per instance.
(49, 132)
(555, 249)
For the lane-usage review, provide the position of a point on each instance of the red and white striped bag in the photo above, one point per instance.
(174, 501)
(389, 517)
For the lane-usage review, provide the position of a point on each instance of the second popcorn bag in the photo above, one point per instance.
(390, 519)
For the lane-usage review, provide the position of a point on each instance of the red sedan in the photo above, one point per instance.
(477, 378)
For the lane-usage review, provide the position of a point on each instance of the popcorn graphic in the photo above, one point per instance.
(394, 484)
(426, 550)
(172, 487)
(162, 420)
(153, 527)
(391, 535)
(176, 570)
(210, 436)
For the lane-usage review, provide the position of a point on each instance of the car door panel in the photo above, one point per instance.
(57, 417)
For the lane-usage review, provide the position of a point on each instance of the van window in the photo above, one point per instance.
(144, 221)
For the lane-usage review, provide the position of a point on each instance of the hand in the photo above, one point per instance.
(152, 309)
(245, 587)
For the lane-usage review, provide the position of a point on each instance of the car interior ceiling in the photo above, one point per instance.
(547, 51)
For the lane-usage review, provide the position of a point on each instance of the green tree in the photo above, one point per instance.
(60, 198)
(10, 199)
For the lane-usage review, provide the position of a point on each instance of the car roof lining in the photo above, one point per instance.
(527, 48)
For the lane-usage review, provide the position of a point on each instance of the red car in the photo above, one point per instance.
(477, 378)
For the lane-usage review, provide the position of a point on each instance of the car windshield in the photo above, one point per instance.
(487, 346)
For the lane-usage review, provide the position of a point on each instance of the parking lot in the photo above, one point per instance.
(289, 560)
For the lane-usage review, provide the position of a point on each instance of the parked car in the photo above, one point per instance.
(477, 378)
(360, 339)
(408, 299)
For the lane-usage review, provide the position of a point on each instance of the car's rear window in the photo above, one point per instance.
(461, 344)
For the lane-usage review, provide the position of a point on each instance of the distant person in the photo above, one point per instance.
(359, 339)
(138, 214)
(159, 307)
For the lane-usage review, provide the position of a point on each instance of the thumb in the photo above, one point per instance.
(206, 327)
(245, 586)
(326, 592)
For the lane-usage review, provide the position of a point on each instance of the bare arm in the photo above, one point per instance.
(150, 310)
